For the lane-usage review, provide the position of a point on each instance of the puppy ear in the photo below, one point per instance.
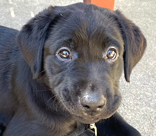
(31, 39)
(134, 43)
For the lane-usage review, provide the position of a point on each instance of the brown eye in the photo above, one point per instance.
(111, 53)
(63, 53)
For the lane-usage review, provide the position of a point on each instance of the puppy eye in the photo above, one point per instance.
(64, 53)
(111, 53)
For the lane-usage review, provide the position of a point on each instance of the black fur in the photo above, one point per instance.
(41, 95)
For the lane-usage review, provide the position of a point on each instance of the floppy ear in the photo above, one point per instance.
(31, 39)
(134, 43)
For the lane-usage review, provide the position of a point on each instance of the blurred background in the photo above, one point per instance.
(139, 96)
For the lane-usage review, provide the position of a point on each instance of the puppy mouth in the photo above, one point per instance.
(89, 114)
(90, 117)
(87, 120)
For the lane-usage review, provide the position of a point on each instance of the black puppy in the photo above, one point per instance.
(62, 72)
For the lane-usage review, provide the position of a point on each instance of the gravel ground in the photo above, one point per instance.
(139, 96)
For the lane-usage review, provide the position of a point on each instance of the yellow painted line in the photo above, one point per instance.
(32, 14)
(12, 12)
(10, 1)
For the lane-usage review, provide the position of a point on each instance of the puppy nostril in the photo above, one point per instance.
(100, 107)
(86, 107)
(95, 107)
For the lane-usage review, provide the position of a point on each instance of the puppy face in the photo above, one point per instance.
(82, 49)
(84, 64)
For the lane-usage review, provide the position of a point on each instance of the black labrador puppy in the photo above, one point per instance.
(61, 72)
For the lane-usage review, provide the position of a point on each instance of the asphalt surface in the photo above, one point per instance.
(139, 96)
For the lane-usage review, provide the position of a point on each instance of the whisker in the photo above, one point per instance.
(53, 97)
(42, 74)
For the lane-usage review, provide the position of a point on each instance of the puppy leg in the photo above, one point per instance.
(22, 125)
(116, 126)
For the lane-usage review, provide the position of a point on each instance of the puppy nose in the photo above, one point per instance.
(93, 101)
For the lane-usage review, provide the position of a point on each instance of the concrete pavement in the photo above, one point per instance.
(139, 96)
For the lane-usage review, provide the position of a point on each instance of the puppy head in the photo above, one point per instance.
(82, 49)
